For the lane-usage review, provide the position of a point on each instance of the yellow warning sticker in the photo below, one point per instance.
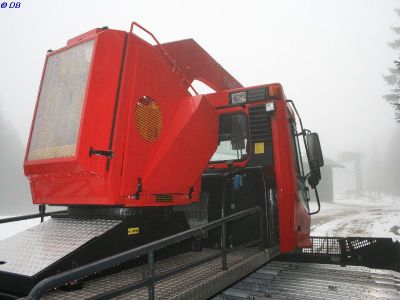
(259, 148)
(133, 230)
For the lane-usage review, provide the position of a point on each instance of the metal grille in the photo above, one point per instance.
(358, 243)
(332, 245)
(163, 197)
(260, 124)
(323, 245)
(256, 94)
(148, 119)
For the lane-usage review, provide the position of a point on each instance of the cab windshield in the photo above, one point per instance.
(232, 138)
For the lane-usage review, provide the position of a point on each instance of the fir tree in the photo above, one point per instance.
(393, 79)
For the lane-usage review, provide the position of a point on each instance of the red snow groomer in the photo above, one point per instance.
(121, 137)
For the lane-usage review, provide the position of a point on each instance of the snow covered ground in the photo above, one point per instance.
(366, 215)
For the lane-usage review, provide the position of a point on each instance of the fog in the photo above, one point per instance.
(330, 57)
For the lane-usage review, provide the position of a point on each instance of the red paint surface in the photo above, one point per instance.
(172, 164)
(290, 209)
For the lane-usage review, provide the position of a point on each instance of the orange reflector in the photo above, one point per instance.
(274, 92)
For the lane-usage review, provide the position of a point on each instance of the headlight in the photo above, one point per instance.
(238, 98)
(256, 94)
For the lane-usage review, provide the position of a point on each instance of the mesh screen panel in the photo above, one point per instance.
(58, 116)
(148, 119)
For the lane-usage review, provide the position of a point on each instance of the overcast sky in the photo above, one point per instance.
(329, 55)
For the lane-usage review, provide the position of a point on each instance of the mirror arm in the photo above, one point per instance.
(306, 176)
(303, 131)
(319, 204)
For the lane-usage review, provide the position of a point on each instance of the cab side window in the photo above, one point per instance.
(297, 152)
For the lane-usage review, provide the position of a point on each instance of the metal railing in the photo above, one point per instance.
(148, 249)
(32, 216)
(167, 57)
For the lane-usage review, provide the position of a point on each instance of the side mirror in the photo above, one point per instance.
(316, 160)
(315, 175)
(314, 149)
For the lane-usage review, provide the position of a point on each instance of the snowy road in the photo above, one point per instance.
(362, 216)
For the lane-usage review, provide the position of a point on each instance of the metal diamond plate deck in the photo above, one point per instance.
(199, 282)
(288, 280)
(36, 248)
